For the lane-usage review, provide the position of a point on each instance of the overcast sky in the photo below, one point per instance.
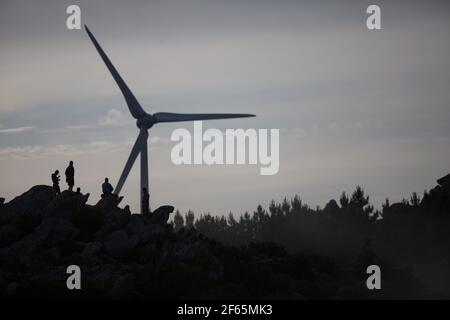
(353, 106)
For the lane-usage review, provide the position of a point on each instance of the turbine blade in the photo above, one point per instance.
(134, 106)
(132, 157)
(175, 117)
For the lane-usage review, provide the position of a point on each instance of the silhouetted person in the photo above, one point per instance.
(107, 188)
(70, 175)
(78, 190)
(55, 180)
(145, 201)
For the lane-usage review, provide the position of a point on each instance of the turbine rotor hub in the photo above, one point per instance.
(145, 122)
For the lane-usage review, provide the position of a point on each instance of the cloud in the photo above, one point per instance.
(156, 139)
(41, 151)
(115, 118)
(94, 147)
(17, 130)
(66, 129)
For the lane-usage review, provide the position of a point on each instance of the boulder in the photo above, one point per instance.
(32, 201)
(92, 248)
(108, 202)
(145, 232)
(9, 234)
(152, 233)
(57, 232)
(22, 251)
(91, 253)
(147, 252)
(64, 205)
(118, 244)
(50, 255)
(161, 215)
(114, 219)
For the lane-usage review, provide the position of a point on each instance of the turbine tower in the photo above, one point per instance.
(145, 121)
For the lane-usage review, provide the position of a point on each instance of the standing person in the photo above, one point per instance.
(145, 201)
(55, 180)
(70, 175)
(107, 188)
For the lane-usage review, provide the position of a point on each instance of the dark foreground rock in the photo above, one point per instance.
(124, 255)
(41, 234)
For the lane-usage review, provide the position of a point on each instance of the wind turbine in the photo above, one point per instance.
(145, 121)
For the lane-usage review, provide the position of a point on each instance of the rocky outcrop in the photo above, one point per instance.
(42, 233)
(30, 203)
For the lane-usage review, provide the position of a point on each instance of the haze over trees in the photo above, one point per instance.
(412, 234)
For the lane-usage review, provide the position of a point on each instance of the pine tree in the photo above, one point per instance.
(178, 221)
(343, 200)
(415, 199)
(189, 218)
(358, 198)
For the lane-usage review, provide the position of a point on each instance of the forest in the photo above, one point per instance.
(412, 235)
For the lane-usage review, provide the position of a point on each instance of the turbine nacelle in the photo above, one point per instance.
(146, 122)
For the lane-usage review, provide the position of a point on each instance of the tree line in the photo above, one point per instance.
(412, 233)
